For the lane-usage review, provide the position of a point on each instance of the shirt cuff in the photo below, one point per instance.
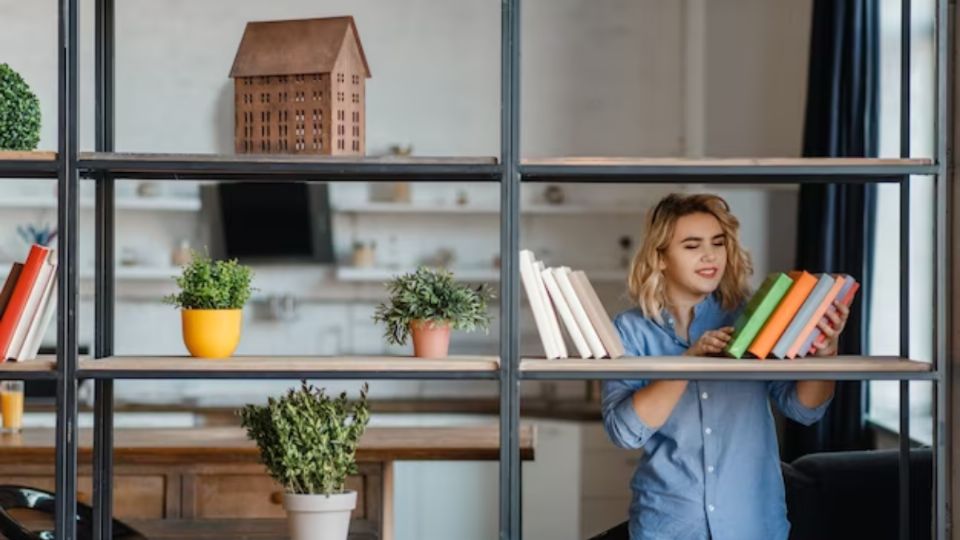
(636, 428)
(807, 415)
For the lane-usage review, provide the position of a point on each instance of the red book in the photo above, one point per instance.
(846, 300)
(18, 300)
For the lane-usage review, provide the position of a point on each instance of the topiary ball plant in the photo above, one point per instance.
(432, 295)
(19, 112)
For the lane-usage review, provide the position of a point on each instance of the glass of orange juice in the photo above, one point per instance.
(11, 405)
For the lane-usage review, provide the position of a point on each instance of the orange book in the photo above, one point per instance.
(817, 315)
(803, 283)
(21, 292)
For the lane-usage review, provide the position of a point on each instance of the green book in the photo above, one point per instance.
(755, 314)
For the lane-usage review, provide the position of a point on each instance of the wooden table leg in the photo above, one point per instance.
(386, 528)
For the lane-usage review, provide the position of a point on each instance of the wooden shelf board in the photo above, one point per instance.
(42, 364)
(291, 364)
(38, 155)
(723, 162)
(654, 365)
(283, 158)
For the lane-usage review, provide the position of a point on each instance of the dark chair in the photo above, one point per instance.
(843, 495)
(35, 501)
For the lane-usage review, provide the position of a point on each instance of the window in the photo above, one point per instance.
(884, 324)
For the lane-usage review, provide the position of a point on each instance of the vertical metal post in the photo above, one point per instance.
(942, 287)
(905, 50)
(104, 285)
(67, 190)
(509, 275)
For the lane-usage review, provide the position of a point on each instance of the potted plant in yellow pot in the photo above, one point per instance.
(427, 304)
(211, 299)
(308, 443)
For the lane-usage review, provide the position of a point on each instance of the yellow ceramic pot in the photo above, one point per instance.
(211, 333)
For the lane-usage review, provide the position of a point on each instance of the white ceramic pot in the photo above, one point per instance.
(319, 517)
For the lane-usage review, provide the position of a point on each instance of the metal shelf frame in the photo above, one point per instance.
(104, 165)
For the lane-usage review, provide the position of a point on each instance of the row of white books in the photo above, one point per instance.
(28, 301)
(569, 294)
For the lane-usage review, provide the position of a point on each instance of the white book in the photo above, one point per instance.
(552, 321)
(573, 330)
(527, 276)
(597, 314)
(32, 308)
(589, 332)
(31, 345)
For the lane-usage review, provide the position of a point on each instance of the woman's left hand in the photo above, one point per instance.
(832, 330)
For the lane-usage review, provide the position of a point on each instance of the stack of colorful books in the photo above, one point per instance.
(27, 304)
(781, 318)
(569, 294)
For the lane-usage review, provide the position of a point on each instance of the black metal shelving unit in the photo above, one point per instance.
(104, 166)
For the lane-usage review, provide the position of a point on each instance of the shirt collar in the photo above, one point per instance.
(698, 310)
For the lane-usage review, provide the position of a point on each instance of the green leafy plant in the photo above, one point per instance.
(432, 295)
(19, 112)
(208, 284)
(308, 440)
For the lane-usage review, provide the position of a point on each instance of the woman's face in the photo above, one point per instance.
(696, 257)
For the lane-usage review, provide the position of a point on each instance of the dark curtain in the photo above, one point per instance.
(834, 224)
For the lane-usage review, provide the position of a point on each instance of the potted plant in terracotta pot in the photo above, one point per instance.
(308, 443)
(427, 304)
(211, 298)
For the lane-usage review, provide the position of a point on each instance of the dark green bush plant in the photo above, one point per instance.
(308, 440)
(19, 112)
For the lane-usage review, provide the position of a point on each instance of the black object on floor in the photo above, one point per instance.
(14, 498)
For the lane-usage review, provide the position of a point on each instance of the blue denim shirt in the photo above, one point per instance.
(712, 471)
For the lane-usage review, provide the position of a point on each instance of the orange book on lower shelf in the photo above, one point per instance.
(803, 283)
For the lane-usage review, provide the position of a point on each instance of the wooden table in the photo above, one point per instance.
(191, 476)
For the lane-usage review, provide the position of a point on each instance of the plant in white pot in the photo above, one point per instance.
(308, 443)
(427, 304)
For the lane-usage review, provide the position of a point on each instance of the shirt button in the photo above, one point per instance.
(708, 431)
(710, 468)
(704, 395)
(710, 507)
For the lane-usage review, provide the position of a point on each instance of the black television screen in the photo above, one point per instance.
(261, 221)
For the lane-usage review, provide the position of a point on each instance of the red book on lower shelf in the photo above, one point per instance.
(21, 292)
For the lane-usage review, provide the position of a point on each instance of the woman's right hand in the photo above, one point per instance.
(711, 342)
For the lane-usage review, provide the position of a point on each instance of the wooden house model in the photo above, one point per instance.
(299, 88)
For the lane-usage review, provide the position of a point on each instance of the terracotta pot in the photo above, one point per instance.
(211, 333)
(319, 517)
(431, 339)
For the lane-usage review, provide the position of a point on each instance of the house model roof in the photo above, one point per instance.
(294, 47)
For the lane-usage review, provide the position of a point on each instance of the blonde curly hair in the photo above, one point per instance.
(646, 282)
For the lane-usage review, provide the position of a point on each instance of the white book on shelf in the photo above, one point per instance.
(579, 313)
(569, 322)
(31, 344)
(597, 313)
(33, 309)
(552, 321)
(528, 277)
